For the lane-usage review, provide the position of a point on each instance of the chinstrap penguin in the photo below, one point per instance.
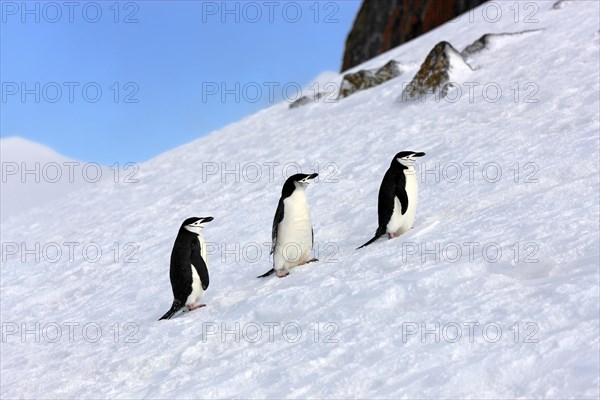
(398, 195)
(189, 272)
(292, 233)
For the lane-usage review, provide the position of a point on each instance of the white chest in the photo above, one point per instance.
(296, 210)
(197, 291)
(412, 187)
(400, 223)
(203, 248)
(294, 234)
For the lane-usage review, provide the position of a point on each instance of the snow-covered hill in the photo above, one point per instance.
(34, 175)
(493, 294)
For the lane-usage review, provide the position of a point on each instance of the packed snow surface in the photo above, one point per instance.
(493, 294)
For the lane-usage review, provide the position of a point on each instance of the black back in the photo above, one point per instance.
(392, 186)
(186, 252)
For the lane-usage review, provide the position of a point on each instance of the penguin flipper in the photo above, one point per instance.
(270, 272)
(177, 305)
(402, 196)
(199, 264)
(276, 220)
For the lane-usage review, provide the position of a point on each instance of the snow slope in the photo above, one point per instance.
(20, 190)
(33, 175)
(537, 316)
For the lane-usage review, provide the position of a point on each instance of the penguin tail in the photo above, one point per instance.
(270, 272)
(378, 234)
(177, 305)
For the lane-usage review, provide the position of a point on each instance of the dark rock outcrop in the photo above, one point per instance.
(355, 82)
(435, 74)
(384, 24)
(478, 45)
(308, 99)
(302, 101)
(366, 79)
(560, 4)
(389, 71)
(485, 41)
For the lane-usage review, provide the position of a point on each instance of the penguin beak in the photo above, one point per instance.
(207, 219)
(418, 154)
(312, 176)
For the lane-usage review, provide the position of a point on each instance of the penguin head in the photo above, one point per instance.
(195, 224)
(407, 158)
(302, 180)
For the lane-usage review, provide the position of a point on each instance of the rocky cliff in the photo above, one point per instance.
(384, 24)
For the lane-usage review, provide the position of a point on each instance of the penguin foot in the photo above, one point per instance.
(312, 260)
(193, 307)
(282, 274)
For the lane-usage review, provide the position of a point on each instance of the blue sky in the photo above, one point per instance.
(125, 81)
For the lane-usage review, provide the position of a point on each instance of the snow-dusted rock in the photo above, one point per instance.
(487, 40)
(437, 73)
(365, 79)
